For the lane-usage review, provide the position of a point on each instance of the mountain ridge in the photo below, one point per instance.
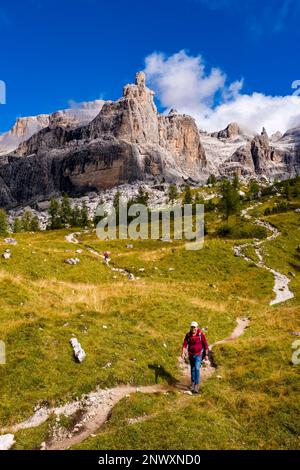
(128, 140)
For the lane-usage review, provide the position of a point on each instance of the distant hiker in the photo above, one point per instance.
(195, 343)
(106, 255)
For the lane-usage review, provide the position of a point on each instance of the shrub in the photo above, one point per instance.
(224, 230)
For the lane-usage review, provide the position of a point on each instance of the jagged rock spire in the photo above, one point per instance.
(140, 79)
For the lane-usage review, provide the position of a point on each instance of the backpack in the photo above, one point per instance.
(200, 335)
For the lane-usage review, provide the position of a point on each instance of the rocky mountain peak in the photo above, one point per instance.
(276, 136)
(140, 79)
(128, 140)
(25, 127)
(231, 131)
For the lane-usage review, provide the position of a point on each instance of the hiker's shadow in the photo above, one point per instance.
(161, 372)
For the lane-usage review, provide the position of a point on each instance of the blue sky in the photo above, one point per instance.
(56, 51)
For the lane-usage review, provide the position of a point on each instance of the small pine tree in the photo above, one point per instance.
(212, 180)
(3, 223)
(286, 190)
(187, 197)
(54, 213)
(116, 200)
(198, 200)
(253, 190)
(230, 199)
(35, 224)
(75, 217)
(142, 197)
(17, 226)
(26, 221)
(236, 182)
(84, 216)
(65, 210)
(172, 193)
(209, 206)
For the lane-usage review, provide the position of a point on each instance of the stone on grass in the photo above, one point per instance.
(6, 441)
(72, 260)
(10, 241)
(79, 353)
(6, 254)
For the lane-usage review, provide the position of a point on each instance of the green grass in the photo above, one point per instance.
(44, 301)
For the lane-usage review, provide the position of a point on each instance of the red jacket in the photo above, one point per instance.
(196, 344)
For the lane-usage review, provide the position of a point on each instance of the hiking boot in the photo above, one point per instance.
(196, 388)
(192, 387)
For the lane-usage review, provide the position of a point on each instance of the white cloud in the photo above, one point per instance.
(180, 81)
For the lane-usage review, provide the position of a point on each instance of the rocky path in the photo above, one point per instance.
(71, 238)
(208, 369)
(281, 282)
(93, 410)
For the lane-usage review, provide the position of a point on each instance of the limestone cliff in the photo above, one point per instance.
(128, 140)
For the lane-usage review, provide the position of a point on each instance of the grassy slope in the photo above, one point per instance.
(44, 301)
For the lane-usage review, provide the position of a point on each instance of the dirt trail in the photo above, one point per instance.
(71, 238)
(207, 370)
(281, 282)
(95, 408)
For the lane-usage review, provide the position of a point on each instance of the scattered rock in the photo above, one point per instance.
(78, 351)
(72, 260)
(6, 254)
(107, 366)
(10, 241)
(6, 441)
(43, 446)
(131, 277)
(129, 246)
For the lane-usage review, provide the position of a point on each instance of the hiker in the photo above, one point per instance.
(195, 343)
(106, 256)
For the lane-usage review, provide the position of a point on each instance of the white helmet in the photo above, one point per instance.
(194, 323)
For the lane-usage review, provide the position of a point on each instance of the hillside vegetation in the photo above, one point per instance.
(251, 402)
